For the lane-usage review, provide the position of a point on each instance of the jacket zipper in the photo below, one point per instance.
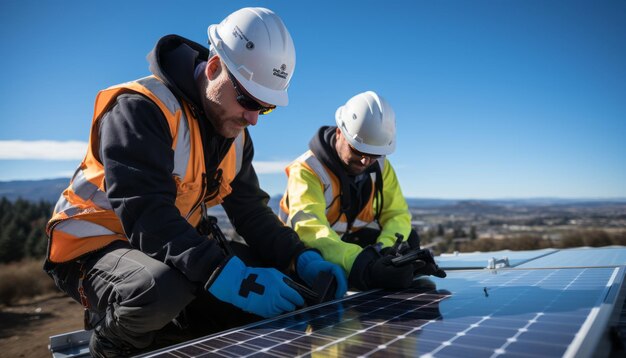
(200, 198)
(205, 179)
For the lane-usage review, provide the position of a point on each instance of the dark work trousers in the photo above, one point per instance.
(141, 302)
(367, 236)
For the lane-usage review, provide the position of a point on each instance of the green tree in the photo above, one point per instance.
(458, 232)
(619, 238)
(597, 238)
(440, 230)
(22, 225)
(36, 242)
(12, 242)
(473, 235)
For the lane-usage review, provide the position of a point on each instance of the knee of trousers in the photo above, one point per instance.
(151, 298)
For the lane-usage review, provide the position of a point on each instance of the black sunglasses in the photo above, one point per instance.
(363, 155)
(246, 101)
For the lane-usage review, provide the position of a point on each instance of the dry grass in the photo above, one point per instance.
(576, 238)
(23, 279)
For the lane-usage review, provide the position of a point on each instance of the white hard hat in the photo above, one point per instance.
(258, 50)
(368, 122)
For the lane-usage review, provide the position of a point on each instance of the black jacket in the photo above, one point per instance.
(135, 149)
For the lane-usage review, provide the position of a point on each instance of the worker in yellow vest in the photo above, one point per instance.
(130, 238)
(343, 197)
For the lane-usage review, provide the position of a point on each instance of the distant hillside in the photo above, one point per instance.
(34, 190)
(50, 189)
(498, 204)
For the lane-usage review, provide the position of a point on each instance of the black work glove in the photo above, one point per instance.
(371, 270)
(383, 274)
(430, 268)
(424, 265)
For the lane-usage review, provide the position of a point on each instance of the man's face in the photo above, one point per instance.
(353, 161)
(228, 117)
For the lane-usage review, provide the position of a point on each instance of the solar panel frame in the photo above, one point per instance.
(478, 260)
(587, 339)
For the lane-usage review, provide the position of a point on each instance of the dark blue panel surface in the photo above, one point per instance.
(585, 257)
(470, 313)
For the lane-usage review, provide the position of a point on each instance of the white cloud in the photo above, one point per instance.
(269, 167)
(75, 150)
(42, 150)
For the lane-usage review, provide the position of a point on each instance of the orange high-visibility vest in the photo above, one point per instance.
(331, 188)
(84, 221)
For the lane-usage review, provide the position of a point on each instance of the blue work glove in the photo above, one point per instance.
(310, 264)
(261, 291)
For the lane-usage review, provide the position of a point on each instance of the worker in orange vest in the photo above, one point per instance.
(130, 238)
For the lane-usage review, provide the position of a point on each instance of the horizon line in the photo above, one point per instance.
(508, 198)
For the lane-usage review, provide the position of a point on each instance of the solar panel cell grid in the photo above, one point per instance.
(511, 313)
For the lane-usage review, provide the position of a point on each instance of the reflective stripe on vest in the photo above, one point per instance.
(86, 191)
(83, 209)
(89, 192)
(320, 171)
(82, 228)
(239, 152)
(182, 148)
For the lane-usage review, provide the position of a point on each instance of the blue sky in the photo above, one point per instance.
(493, 99)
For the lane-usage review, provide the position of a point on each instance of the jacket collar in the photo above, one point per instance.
(173, 60)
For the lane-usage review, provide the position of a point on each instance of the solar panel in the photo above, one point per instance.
(482, 313)
(476, 260)
(581, 257)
